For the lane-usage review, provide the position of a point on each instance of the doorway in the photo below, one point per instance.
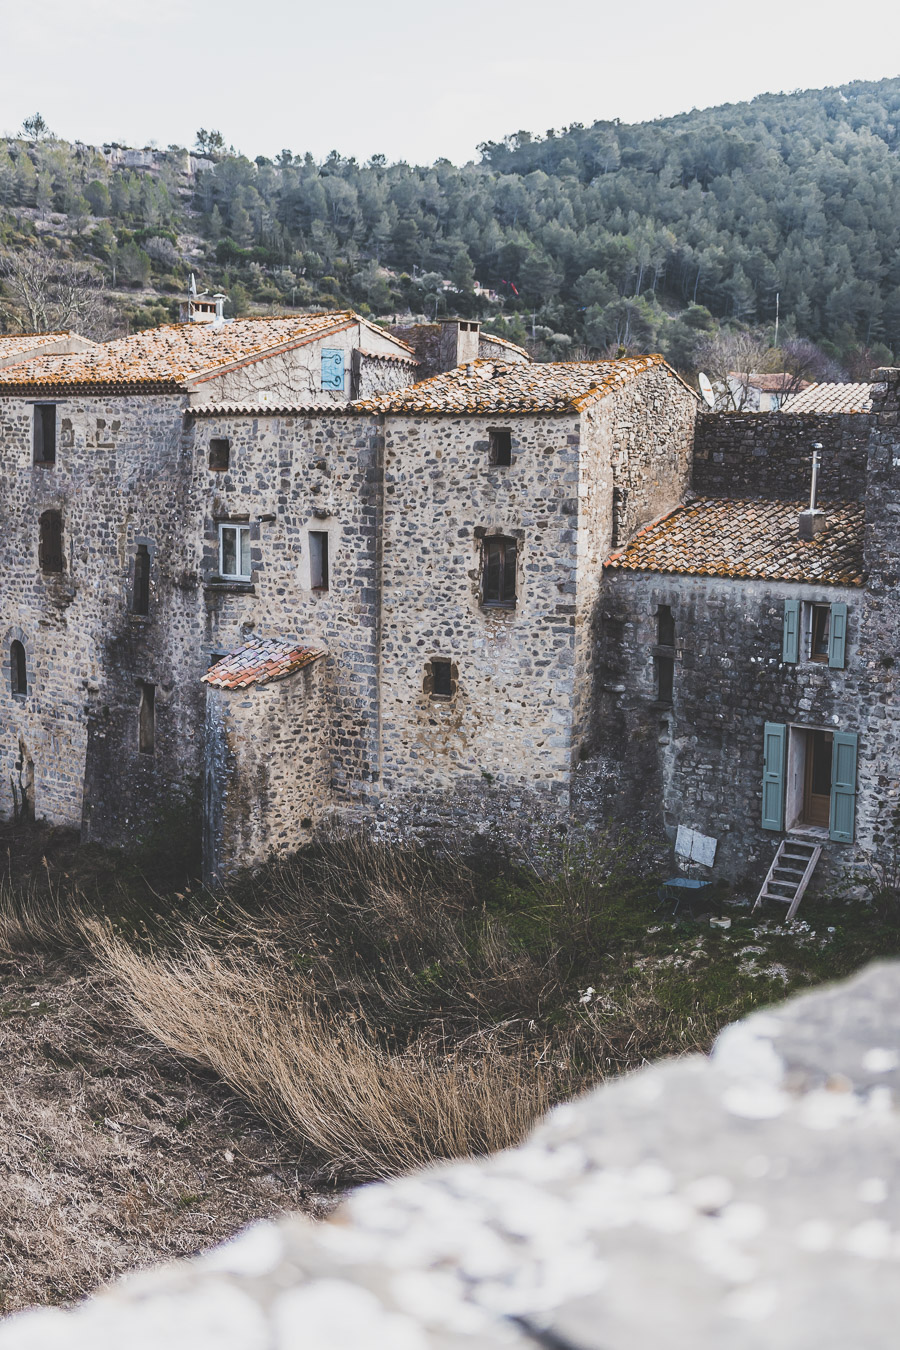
(817, 778)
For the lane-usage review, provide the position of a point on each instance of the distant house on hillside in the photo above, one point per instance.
(756, 392)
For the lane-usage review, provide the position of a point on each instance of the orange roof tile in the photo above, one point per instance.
(489, 386)
(12, 344)
(833, 398)
(167, 359)
(719, 537)
(260, 662)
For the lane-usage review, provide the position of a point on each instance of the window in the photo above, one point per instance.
(665, 678)
(18, 670)
(500, 446)
(665, 626)
(140, 598)
(809, 780)
(820, 632)
(219, 453)
(318, 560)
(441, 679)
(234, 552)
(498, 583)
(147, 719)
(44, 433)
(815, 632)
(50, 551)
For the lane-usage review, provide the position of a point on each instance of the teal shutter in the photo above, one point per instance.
(837, 637)
(790, 648)
(774, 754)
(332, 368)
(843, 787)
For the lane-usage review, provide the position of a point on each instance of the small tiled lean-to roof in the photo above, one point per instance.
(260, 662)
(833, 398)
(503, 342)
(725, 537)
(490, 386)
(264, 408)
(166, 359)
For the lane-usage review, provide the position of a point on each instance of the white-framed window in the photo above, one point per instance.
(234, 552)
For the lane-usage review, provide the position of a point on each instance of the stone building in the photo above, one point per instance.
(253, 567)
(748, 678)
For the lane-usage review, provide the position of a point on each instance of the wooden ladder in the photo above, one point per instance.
(790, 873)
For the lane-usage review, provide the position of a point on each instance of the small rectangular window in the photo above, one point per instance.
(44, 433)
(50, 545)
(500, 446)
(18, 670)
(234, 552)
(441, 679)
(147, 719)
(140, 599)
(499, 573)
(820, 632)
(318, 560)
(665, 626)
(665, 678)
(219, 453)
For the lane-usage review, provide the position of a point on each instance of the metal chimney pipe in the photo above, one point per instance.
(812, 521)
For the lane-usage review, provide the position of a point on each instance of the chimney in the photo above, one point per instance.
(220, 307)
(459, 342)
(812, 521)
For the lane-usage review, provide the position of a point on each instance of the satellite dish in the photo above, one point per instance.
(706, 390)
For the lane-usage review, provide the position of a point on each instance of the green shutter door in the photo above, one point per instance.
(790, 647)
(843, 787)
(774, 753)
(837, 637)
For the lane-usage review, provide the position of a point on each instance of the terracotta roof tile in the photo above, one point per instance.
(488, 386)
(503, 342)
(768, 383)
(258, 408)
(168, 358)
(833, 398)
(717, 537)
(260, 662)
(14, 344)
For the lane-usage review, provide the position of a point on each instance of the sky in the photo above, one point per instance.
(411, 81)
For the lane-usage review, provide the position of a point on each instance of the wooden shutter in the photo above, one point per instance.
(790, 647)
(509, 572)
(774, 753)
(843, 787)
(332, 368)
(837, 637)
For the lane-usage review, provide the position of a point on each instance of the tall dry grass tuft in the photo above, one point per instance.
(320, 1074)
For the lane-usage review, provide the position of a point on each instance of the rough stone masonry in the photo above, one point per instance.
(750, 1201)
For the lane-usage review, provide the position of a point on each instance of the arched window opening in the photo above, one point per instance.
(18, 670)
(140, 601)
(51, 542)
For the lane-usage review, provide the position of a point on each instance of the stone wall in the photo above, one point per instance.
(750, 1201)
(699, 762)
(268, 769)
(769, 455)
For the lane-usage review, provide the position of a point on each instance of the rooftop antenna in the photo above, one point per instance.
(192, 289)
(812, 520)
(706, 390)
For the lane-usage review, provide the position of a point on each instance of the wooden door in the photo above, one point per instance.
(817, 783)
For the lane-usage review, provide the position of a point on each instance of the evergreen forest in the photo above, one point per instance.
(662, 235)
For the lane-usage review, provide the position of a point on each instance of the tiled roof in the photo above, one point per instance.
(503, 342)
(390, 356)
(716, 537)
(833, 398)
(166, 359)
(13, 344)
(487, 386)
(260, 662)
(257, 408)
(768, 383)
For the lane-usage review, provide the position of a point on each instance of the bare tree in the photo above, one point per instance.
(803, 362)
(44, 294)
(731, 360)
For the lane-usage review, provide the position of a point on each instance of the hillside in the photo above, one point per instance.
(642, 236)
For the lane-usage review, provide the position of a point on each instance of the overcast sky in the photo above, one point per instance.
(413, 81)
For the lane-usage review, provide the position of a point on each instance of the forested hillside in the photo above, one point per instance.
(592, 238)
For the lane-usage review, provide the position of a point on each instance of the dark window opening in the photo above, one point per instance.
(215, 658)
(44, 433)
(665, 626)
(140, 601)
(665, 678)
(441, 679)
(318, 560)
(18, 670)
(219, 453)
(51, 542)
(499, 573)
(147, 719)
(820, 632)
(500, 447)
